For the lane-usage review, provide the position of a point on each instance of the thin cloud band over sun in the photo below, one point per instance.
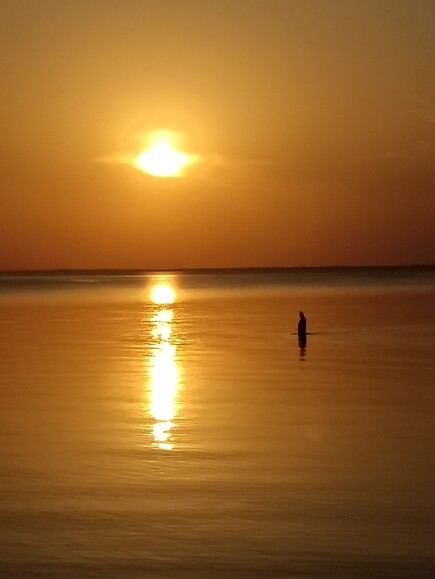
(159, 156)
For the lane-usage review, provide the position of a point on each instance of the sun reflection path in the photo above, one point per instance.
(164, 374)
(162, 293)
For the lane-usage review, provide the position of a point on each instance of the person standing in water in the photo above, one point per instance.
(302, 329)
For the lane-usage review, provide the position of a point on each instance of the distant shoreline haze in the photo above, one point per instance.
(223, 270)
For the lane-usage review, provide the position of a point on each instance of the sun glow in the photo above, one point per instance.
(161, 159)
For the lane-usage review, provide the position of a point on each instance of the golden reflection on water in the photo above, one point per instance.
(164, 372)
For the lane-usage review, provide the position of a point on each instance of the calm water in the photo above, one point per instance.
(196, 439)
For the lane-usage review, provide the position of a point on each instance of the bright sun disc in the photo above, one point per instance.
(162, 160)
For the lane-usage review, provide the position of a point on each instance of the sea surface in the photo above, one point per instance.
(169, 425)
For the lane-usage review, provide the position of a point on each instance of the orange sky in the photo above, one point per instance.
(315, 122)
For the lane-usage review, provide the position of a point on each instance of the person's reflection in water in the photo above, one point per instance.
(302, 350)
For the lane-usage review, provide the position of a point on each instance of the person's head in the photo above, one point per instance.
(301, 315)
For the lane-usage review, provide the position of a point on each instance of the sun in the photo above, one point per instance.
(161, 159)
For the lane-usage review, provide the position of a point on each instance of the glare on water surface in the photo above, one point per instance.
(162, 293)
(164, 373)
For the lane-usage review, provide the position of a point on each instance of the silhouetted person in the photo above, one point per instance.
(302, 330)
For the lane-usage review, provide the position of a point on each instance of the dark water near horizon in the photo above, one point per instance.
(146, 433)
